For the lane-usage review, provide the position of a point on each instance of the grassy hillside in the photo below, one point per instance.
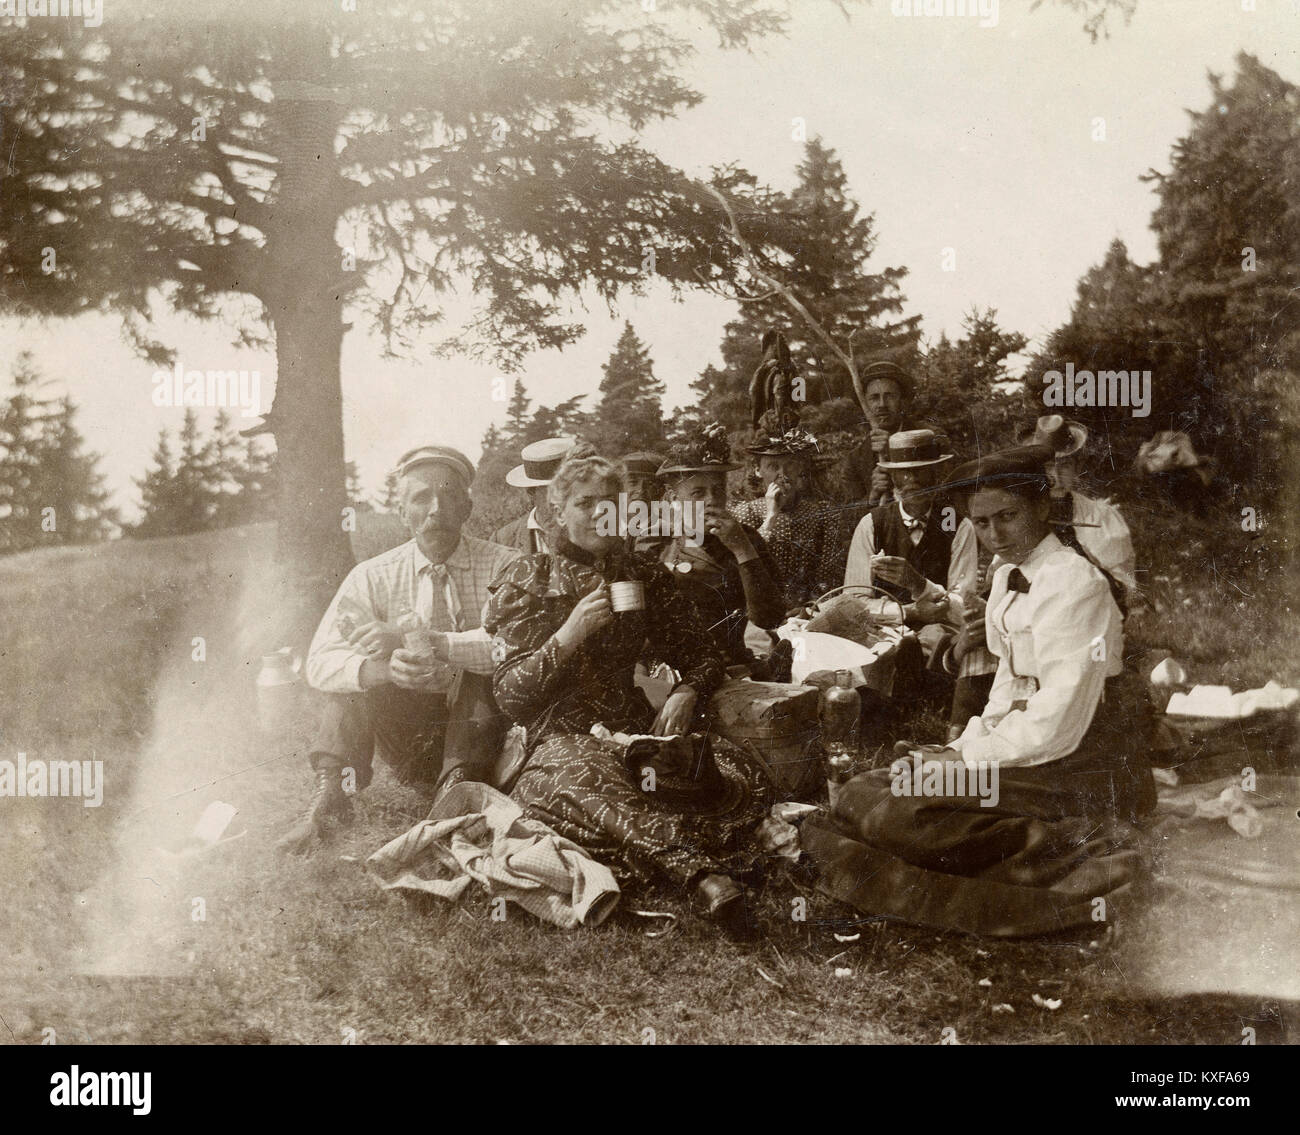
(98, 660)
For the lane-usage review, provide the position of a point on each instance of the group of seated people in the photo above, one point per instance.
(1015, 583)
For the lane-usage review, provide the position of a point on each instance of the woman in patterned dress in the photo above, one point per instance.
(565, 663)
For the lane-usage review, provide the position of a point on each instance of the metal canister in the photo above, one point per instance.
(279, 687)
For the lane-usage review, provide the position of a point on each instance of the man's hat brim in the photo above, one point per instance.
(666, 469)
(914, 464)
(519, 479)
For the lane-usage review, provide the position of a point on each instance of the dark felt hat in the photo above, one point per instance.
(1019, 465)
(643, 462)
(707, 452)
(797, 442)
(891, 371)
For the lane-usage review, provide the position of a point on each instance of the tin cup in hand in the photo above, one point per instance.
(628, 595)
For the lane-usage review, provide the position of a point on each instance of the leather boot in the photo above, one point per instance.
(329, 805)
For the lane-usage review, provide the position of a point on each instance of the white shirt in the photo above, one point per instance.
(1110, 543)
(538, 533)
(385, 588)
(1056, 645)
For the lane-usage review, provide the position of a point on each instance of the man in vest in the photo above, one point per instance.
(904, 547)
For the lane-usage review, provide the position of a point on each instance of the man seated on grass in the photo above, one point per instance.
(401, 654)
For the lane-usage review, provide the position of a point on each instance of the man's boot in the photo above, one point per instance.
(329, 806)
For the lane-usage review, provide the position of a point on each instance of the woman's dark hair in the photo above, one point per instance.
(1022, 472)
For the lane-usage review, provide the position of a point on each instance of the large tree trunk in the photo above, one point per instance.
(305, 306)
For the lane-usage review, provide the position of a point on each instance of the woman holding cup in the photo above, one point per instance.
(568, 629)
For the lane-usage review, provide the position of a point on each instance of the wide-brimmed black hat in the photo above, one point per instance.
(1020, 464)
(707, 452)
(797, 442)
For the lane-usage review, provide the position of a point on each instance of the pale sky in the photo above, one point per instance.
(955, 136)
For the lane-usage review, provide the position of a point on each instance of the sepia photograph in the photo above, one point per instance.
(649, 522)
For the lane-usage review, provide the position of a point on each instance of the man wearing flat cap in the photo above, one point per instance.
(534, 532)
(888, 390)
(401, 655)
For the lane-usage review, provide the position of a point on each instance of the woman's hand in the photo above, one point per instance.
(970, 637)
(590, 614)
(720, 523)
(675, 717)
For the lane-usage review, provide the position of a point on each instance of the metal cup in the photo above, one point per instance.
(627, 596)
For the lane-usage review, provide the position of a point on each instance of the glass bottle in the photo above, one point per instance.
(838, 713)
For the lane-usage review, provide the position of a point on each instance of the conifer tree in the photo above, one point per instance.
(629, 415)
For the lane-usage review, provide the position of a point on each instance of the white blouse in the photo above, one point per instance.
(1109, 543)
(1056, 645)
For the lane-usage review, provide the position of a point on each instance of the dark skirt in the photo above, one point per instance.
(578, 786)
(1054, 852)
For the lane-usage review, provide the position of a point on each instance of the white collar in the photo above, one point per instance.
(1034, 561)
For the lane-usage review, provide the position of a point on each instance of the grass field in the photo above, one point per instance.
(98, 661)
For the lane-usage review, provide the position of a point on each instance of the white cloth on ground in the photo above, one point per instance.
(475, 834)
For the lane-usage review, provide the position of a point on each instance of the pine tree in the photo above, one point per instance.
(965, 391)
(356, 491)
(388, 502)
(195, 478)
(827, 244)
(518, 416)
(564, 419)
(158, 492)
(225, 466)
(68, 483)
(629, 415)
(24, 419)
(256, 478)
(1228, 226)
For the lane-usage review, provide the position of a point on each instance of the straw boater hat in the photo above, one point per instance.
(1063, 436)
(707, 452)
(541, 461)
(913, 449)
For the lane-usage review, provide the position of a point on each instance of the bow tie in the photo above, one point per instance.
(1016, 581)
(911, 523)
